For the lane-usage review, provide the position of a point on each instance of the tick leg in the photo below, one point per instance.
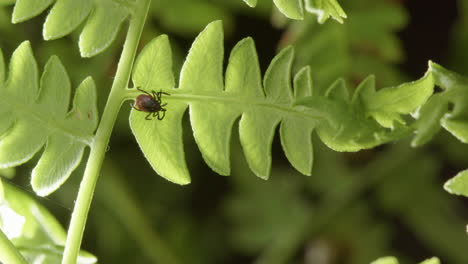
(143, 91)
(133, 106)
(158, 94)
(148, 116)
(161, 92)
(163, 114)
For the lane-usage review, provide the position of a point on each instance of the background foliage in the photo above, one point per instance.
(353, 209)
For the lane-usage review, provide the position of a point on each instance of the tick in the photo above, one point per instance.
(150, 103)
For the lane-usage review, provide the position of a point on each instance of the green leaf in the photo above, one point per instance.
(243, 77)
(27, 9)
(251, 3)
(385, 260)
(163, 149)
(214, 108)
(325, 9)
(343, 124)
(31, 117)
(296, 136)
(32, 228)
(65, 16)
(388, 104)
(437, 111)
(347, 126)
(102, 20)
(291, 8)
(303, 83)
(393, 260)
(458, 185)
(8, 173)
(338, 91)
(96, 37)
(2, 68)
(294, 9)
(428, 119)
(433, 260)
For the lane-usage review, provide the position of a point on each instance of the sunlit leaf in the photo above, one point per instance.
(8, 172)
(291, 8)
(102, 20)
(385, 260)
(325, 9)
(458, 185)
(214, 108)
(347, 126)
(31, 118)
(448, 108)
(34, 230)
(251, 3)
(294, 9)
(433, 260)
(388, 104)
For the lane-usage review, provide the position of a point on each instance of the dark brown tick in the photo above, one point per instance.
(150, 103)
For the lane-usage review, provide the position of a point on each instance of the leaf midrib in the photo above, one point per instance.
(224, 97)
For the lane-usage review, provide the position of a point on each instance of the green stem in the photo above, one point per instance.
(8, 252)
(103, 133)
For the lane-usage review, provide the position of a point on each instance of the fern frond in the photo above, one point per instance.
(294, 9)
(31, 117)
(32, 228)
(343, 124)
(101, 18)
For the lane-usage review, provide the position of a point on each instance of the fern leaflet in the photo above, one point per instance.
(436, 112)
(103, 20)
(294, 9)
(31, 117)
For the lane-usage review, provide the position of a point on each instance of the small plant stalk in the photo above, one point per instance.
(8, 252)
(103, 133)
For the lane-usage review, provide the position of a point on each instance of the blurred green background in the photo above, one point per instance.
(354, 208)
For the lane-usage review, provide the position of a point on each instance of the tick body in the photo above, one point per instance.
(151, 104)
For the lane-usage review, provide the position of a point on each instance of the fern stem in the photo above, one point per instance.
(8, 252)
(103, 133)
